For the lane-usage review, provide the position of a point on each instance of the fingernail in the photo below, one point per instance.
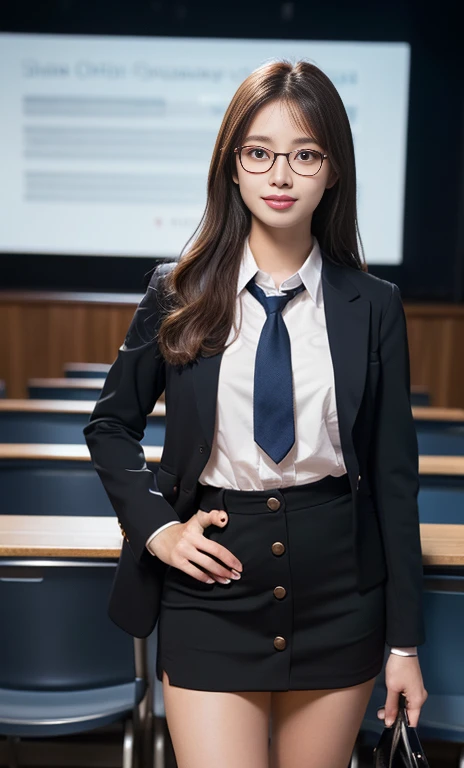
(236, 574)
(225, 581)
(210, 581)
(389, 722)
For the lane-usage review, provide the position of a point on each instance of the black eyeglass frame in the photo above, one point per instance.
(322, 155)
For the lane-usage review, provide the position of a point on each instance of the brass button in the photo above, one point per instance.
(280, 592)
(278, 548)
(273, 503)
(280, 643)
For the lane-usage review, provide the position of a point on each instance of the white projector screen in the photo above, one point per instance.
(105, 142)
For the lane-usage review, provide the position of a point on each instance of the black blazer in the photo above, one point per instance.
(368, 342)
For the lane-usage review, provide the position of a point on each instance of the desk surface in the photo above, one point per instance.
(32, 405)
(59, 536)
(428, 465)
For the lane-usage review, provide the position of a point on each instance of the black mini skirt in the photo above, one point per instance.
(295, 620)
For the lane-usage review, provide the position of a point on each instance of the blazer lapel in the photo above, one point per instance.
(347, 318)
(348, 326)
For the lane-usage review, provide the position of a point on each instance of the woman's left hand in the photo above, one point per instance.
(403, 675)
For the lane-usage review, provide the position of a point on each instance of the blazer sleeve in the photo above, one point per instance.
(396, 486)
(117, 424)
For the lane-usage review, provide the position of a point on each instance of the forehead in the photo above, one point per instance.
(277, 120)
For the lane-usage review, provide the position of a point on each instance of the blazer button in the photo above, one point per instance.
(278, 548)
(175, 488)
(273, 503)
(279, 643)
(280, 592)
(201, 449)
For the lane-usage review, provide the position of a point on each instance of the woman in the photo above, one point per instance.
(279, 542)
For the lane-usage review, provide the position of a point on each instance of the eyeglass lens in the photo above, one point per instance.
(259, 160)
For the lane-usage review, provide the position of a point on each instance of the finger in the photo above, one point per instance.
(391, 707)
(413, 715)
(381, 713)
(214, 517)
(214, 549)
(214, 568)
(191, 570)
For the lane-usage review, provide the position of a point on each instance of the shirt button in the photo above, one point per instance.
(273, 503)
(278, 548)
(280, 592)
(279, 643)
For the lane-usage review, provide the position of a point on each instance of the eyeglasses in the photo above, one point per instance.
(304, 162)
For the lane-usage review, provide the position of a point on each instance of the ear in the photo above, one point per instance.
(332, 180)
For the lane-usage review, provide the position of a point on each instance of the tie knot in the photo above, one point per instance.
(273, 303)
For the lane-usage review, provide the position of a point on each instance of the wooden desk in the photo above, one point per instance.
(32, 405)
(66, 451)
(431, 414)
(99, 537)
(428, 465)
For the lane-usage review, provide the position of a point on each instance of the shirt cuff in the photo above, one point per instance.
(158, 530)
(407, 648)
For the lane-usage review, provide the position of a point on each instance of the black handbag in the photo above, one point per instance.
(399, 745)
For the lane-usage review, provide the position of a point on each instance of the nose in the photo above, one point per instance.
(281, 172)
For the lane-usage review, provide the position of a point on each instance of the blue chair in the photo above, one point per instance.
(63, 389)
(35, 486)
(420, 397)
(86, 370)
(441, 660)
(63, 423)
(442, 504)
(65, 668)
(447, 441)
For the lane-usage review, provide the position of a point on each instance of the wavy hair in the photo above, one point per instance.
(201, 288)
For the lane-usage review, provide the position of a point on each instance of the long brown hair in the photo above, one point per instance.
(201, 288)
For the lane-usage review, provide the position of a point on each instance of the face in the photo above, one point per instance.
(275, 122)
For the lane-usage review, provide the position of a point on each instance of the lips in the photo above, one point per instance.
(279, 202)
(280, 198)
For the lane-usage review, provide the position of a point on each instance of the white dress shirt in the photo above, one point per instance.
(236, 461)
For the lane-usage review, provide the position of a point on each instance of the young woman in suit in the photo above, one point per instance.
(279, 540)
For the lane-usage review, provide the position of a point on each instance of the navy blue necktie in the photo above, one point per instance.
(273, 418)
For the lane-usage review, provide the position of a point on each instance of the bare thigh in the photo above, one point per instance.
(210, 729)
(317, 729)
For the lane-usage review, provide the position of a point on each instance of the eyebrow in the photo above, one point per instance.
(300, 140)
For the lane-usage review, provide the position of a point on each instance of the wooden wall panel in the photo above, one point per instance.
(43, 331)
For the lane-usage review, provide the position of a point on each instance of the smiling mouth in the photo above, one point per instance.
(278, 204)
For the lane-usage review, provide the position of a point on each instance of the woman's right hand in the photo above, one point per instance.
(185, 545)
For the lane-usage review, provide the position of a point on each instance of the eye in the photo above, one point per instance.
(251, 150)
(307, 156)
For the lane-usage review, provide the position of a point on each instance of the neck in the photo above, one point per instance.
(279, 250)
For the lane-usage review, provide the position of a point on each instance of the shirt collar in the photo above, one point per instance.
(309, 273)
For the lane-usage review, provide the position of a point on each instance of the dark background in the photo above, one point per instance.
(433, 245)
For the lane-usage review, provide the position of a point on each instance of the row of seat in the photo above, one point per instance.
(45, 469)
(48, 479)
(440, 431)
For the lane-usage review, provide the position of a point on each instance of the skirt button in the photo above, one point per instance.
(280, 643)
(278, 548)
(273, 503)
(280, 592)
